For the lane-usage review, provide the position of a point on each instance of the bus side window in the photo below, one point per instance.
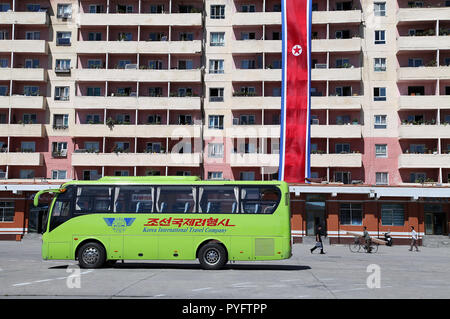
(93, 199)
(218, 200)
(175, 199)
(259, 200)
(133, 199)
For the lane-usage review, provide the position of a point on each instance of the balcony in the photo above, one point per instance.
(173, 19)
(251, 46)
(418, 43)
(254, 160)
(21, 159)
(136, 159)
(245, 131)
(336, 160)
(336, 102)
(336, 131)
(139, 103)
(133, 47)
(423, 14)
(26, 18)
(134, 75)
(24, 46)
(347, 16)
(424, 131)
(336, 45)
(336, 74)
(424, 161)
(255, 75)
(407, 102)
(23, 74)
(131, 130)
(22, 130)
(424, 73)
(255, 102)
(255, 18)
(23, 102)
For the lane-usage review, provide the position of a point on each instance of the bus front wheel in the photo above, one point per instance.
(212, 256)
(91, 255)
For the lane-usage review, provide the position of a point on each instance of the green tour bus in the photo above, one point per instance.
(167, 218)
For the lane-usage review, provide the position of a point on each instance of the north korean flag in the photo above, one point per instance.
(295, 98)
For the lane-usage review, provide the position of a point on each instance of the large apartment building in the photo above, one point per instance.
(170, 87)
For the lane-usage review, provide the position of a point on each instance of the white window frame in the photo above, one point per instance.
(380, 121)
(379, 64)
(381, 178)
(215, 150)
(379, 9)
(381, 150)
(380, 37)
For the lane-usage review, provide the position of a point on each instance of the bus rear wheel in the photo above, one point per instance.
(91, 255)
(212, 256)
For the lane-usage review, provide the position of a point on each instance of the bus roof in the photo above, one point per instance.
(162, 179)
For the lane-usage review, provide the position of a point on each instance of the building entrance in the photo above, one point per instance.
(315, 214)
(435, 220)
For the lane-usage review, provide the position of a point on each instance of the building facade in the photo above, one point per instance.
(169, 87)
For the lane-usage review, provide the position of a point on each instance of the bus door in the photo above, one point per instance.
(133, 206)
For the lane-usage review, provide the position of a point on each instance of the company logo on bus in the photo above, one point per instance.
(211, 222)
(119, 225)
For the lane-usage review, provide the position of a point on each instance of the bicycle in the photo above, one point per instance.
(358, 244)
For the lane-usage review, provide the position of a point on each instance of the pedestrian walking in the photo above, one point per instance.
(319, 243)
(414, 238)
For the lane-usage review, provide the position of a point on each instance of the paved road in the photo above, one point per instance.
(338, 274)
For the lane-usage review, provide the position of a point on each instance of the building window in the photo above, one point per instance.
(248, 8)
(94, 64)
(29, 118)
(215, 150)
(31, 90)
(183, 173)
(63, 38)
(59, 174)
(90, 175)
(62, 65)
(215, 122)
(381, 178)
(392, 215)
(216, 66)
(381, 150)
(95, 8)
(350, 214)
(417, 177)
(26, 173)
(31, 63)
(60, 121)
(62, 93)
(217, 39)
(379, 94)
(380, 37)
(215, 175)
(156, 8)
(217, 11)
(4, 7)
(121, 173)
(184, 64)
(28, 147)
(247, 176)
(216, 94)
(342, 148)
(417, 148)
(380, 121)
(379, 64)
(95, 36)
(379, 9)
(343, 177)
(415, 62)
(92, 147)
(32, 35)
(59, 149)
(93, 119)
(6, 211)
(93, 91)
(4, 63)
(64, 11)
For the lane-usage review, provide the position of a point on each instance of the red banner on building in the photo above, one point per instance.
(295, 99)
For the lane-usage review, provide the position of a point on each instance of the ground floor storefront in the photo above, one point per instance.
(343, 209)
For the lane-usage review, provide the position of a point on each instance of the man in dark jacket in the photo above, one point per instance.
(319, 243)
